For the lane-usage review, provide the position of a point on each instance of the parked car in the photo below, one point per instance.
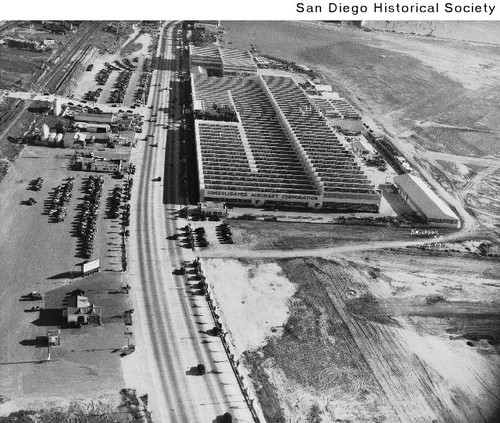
(35, 308)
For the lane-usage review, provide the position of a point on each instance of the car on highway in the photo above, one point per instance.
(157, 179)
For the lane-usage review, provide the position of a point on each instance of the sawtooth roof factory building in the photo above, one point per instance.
(222, 61)
(279, 151)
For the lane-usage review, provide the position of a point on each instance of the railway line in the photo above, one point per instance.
(52, 81)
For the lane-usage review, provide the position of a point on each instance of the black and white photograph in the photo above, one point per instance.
(250, 221)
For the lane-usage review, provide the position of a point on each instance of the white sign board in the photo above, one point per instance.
(90, 266)
(261, 196)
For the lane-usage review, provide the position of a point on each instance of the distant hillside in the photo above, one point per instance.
(476, 31)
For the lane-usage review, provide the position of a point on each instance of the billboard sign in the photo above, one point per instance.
(90, 266)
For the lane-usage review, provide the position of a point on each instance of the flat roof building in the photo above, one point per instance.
(93, 127)
(98, 164)
(425, 202)
(210, 25)
(213, 208)
(95, 117)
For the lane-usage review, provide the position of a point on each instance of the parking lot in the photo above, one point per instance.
(89, 80)
(40, 253)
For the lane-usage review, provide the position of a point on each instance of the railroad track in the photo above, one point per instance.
(68, 73)
(53, 80)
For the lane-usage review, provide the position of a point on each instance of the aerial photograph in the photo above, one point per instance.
(249, 221)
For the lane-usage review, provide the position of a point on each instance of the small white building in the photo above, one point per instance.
(213, 208)
(425, 202)
(80, 311)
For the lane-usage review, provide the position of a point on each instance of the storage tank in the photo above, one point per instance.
(45, 132)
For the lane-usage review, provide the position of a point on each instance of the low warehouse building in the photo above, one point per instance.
(98, 164)
(212, 208)
(425, 202)
(105, 118)
(93, 127)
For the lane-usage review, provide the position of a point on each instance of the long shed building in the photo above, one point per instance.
(425, 202)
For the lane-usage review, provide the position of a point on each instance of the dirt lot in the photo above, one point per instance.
(120, 408)
(17, 67)
(39, 255)
(9, 150)
(375, 337)
(288, 236)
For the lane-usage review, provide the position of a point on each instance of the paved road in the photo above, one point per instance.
(171, 318)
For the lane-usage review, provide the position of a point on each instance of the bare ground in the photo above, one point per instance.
(380, 338)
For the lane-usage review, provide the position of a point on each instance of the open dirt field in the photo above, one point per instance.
(485, 32)
(376, 337)
(289, 236)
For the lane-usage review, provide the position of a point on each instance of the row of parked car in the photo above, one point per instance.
(36, 184)
(200, 239)
(224, 234)
(60, 199)
(87, 226)
(103, 75)
(92, 95)
(120, 86)
(116, 200)
(142, 91)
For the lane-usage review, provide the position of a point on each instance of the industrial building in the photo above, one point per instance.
(222, 61)
(98, 164)
(207, 25)
(280, 152)
(104, 118)
(93, 127)
(425, 202)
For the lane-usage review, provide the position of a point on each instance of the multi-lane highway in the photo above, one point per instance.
(172, 319)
